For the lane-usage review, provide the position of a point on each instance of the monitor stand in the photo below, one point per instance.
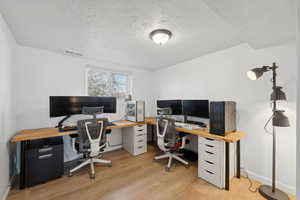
(60, 123)
(185, 118)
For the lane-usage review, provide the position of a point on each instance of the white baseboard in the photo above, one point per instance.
(282, 186)
(5, 194)
(108, 149)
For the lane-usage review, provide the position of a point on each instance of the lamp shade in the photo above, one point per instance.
(278, 94)
(280, 120)
(255, 73)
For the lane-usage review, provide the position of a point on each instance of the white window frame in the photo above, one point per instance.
(99, 69)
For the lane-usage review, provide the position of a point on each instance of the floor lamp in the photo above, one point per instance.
(278, 120)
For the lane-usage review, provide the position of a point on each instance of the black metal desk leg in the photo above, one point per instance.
(22, 165)
(227, 165)
(238, 159)
(152, 135)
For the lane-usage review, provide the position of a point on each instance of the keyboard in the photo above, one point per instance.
(179, 124)
(187, 126)
(110, 124)
(74, 128)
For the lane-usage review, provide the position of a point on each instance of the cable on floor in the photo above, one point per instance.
(251, 187)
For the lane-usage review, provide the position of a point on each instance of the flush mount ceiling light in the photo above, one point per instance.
(160, 36)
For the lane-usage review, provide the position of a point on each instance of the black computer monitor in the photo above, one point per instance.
(71, 105)
(195, 108)
(175, 105)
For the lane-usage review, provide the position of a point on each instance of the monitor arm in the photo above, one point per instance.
(60, 123)
(185, 117)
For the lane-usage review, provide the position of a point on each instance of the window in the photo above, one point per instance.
(106, 83)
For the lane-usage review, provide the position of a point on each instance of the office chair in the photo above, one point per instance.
(169, 141)
(91, 142)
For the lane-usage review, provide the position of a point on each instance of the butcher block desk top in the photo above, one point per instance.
(40, 133)
(204, 132)
(32, 134)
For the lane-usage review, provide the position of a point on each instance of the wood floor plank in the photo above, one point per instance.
(136, 178)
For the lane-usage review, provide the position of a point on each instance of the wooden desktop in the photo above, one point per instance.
(32, 134)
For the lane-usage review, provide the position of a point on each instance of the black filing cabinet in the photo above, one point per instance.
(42, 160)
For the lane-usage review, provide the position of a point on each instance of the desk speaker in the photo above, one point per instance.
(222, 117)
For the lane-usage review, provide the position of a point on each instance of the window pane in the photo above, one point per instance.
(103, 83)
(99, 83)
(119, 84)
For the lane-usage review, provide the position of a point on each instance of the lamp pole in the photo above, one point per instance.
(274, 133)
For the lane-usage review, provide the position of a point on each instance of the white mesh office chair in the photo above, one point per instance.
(91, 142)
(169, 141)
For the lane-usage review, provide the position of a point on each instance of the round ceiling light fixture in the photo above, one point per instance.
(160, 36)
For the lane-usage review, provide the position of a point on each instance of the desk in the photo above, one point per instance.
(25, 136)
(33, 134)
(234, 137)
(204, 132)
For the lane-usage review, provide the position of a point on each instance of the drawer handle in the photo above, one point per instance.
(140, 134)
(45, 156)
(209, 172)
(209, 139)
(140, 129)
(43, 150)
(209, 152)
(209, 162)
(140, 147)
(211, 146)
(140, 140)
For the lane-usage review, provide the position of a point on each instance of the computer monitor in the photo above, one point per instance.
(195, 108)
(71, 105)
(175, 105)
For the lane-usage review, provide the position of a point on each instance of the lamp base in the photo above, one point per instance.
(266, 192)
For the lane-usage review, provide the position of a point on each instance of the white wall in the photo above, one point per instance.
(7, 118)
(41, 73)
(222, 76)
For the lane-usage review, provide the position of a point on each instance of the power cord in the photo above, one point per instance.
(251, 187)
(265, 127)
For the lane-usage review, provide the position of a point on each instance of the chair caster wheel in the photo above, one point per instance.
(109, 165)
(186, 166)
(167, 169)
(70, 174)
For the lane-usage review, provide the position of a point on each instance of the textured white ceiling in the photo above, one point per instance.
(117, 30)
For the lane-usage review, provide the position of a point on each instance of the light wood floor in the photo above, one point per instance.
(135, 178)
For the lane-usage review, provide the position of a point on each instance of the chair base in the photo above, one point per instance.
(171, 156)
(90, 161)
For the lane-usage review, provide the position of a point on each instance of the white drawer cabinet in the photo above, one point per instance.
(135, 139)
(211, 161)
